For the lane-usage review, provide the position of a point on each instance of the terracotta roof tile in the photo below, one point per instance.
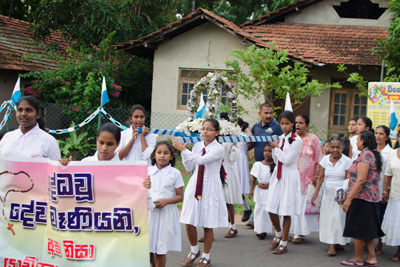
(14, 43)
(322, 44)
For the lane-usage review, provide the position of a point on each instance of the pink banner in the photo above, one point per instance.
(85, 214)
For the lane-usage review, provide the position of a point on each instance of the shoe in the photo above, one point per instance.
(250, 224)
(280, 250)
(203, 263)
(274, 243)
(296, 239)
(188, 261)
(262, 236)
(332, 252)
(232, 233)
(246, 215)
(201, 239)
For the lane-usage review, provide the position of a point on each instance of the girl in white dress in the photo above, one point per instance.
(284, 196)
(107, 141)
(333, 173)
(382, 135)
(137, 146)
(243, 169)
(363, 123)
(164, 228)
(391, 195)
(204, 204)
(30, 140)
(232, 189)
(261, 173)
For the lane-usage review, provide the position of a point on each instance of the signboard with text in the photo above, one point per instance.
(85, 214)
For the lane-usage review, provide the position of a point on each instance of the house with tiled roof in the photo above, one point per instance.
(15, 42)
(319, 33)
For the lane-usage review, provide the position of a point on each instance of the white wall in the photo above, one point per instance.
(324, 13)
(204, 47)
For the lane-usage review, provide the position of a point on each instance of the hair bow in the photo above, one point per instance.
(293, 136)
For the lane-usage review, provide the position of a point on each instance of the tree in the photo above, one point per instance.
(271, 75)
(389, 49)
(18, 9)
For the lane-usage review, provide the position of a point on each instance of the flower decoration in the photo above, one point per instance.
(215, 83)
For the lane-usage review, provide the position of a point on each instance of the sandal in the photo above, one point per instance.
(332, 252)
(395, 257)
(378, 251)
(370, 264)
(350, 263)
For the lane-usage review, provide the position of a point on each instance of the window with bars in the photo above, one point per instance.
(360, 106)
(187, 80)
(339, 109)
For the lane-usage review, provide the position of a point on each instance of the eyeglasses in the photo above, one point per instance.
(207, 130)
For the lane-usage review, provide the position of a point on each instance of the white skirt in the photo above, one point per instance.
(208, 212)
(331, 222)
(303, 224)
(391, 224)
(232, 189)
(243, 170)
(284, 196)
(164, 230)
(262, 222)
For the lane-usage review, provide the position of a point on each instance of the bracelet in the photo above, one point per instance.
(384, 192)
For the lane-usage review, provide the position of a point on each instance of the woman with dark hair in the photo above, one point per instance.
(284, 196)
(204, 203)
(135, 145)
(30, 140)
(308, 166)
(363, 123)
(352, 128)
(382, 135)
(333, 172)
(362, 202)
(397, 144)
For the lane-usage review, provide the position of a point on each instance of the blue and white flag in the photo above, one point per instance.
(104, 95)
(288, 104)
(16, 95)
(393, 116)
(201, 110)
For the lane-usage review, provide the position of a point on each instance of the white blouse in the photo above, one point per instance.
(385, 153)
(36, 143)
(136, 154)
(354, 150)
(95, 157)
(261, 172)
(164, 182)
(393, 169)
(213, 159)
(334, 174)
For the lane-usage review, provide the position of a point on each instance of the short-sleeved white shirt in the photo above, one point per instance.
(136, 154)
(261, 172)
(164, 182)
(334, 174)
(385, 153)
(36, 143)
(95, 157)
(354, 150)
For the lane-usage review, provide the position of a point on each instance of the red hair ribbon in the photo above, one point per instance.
(294, 136)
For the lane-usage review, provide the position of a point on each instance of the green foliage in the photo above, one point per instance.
(78, 80)
(76, 143)
(271, 73)
(19, 9)
(389, 49)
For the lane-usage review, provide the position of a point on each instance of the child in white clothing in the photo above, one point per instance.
(261, 173)
(164, 227)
